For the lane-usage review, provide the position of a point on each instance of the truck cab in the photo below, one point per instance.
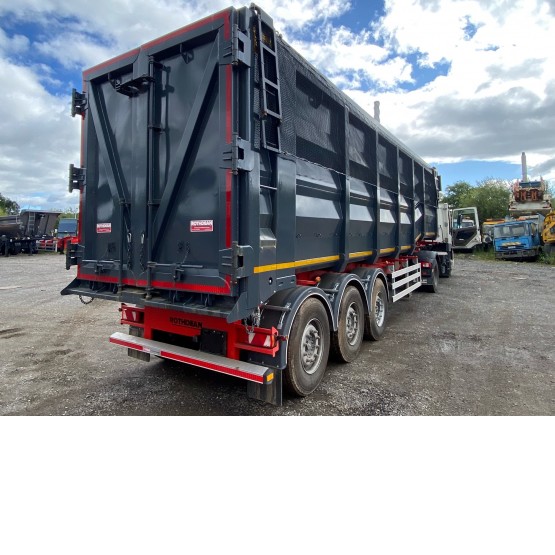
(67, 230)
(519, 239)
(487, 232)
(466, 229)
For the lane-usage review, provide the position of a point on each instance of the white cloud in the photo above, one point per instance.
(38, 139)
(497, 99)
(16, 44)
(341, 52)
(494, 102)
(296, 14)
(83, 52)
(90, 34)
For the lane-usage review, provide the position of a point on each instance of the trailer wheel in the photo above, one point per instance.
(346, 343)
(309, 346)
(374, 324)
(445, 267)
(433, 287)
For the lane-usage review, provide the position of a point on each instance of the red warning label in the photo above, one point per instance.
(104, 228)
(198, 226)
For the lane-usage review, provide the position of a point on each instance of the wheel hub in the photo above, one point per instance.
(379, 310)
(352, 324)
(311, 347)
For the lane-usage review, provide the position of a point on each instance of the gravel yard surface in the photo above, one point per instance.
(483, 345)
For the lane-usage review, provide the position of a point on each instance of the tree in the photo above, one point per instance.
(8, 206)
(458, 194)
(491, 198)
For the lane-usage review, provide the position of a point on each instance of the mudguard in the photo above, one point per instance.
(427, 256)
(368, 277)
(334, 285)
(279, 312)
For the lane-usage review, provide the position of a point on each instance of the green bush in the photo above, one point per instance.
(545, 258)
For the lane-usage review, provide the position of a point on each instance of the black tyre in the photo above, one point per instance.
(445, 267)
(346, 343)
(309, 347)
(375, 322)
(434, 286)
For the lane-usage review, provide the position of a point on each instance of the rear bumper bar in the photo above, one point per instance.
(245, 370)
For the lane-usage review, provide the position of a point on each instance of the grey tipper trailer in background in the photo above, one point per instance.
(250, 217)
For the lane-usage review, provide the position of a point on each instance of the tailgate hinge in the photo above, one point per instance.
(76, 178)
(78, 103)
(242, 156)
(74, 254)
(241, 48)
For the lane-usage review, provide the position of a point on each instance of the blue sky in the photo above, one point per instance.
(466, 84)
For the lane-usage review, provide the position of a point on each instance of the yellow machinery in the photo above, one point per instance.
(529, 197)
(548, 233)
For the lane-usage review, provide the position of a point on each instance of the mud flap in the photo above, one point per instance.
(268, 393)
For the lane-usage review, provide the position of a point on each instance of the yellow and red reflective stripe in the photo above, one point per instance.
(212, 366)
(128, 344)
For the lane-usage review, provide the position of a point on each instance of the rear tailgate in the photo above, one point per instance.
(156, 205)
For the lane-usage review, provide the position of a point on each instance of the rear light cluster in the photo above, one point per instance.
(426, 264)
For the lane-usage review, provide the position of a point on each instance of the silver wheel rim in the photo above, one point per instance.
(379, 311)
(352, 324)
(311, 346)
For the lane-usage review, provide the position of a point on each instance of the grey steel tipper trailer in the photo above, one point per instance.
(248, 215)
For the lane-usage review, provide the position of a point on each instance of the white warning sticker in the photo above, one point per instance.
(104, 228)
(198, 226)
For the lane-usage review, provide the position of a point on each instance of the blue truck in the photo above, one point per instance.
(518, 239)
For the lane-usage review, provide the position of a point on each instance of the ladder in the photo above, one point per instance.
(31, 225)
(271, 97)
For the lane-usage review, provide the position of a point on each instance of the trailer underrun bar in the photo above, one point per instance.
(245, 370)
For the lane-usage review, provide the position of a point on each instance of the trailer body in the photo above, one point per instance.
(13, 238)
(229, 192)
(38, 223)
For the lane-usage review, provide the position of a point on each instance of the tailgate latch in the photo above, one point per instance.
(133, 87)
(237, 262)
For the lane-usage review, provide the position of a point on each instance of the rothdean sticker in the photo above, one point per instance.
(104, 228)
(199, 226)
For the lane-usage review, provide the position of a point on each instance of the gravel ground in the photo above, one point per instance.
(483, 345)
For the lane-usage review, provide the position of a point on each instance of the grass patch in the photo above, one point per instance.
(488, 255)
(548, 259)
